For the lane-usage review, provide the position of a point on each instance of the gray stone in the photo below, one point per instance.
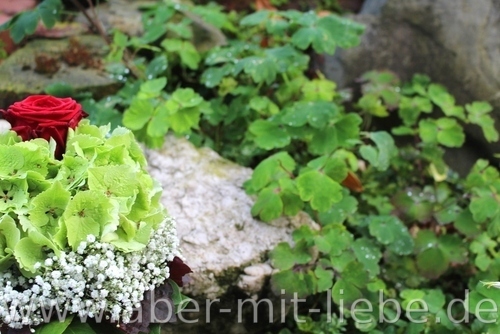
(455, 42)
(18, 78)
(224, 245)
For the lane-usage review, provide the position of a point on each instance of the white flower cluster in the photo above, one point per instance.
(95, 280)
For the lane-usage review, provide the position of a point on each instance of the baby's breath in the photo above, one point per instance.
(95, 279)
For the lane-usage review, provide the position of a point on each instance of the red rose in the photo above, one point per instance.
(45, 116)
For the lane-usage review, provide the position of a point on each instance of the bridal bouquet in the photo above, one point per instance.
(84, 239)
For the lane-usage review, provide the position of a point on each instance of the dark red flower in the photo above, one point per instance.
(178, 271)
(44, 116)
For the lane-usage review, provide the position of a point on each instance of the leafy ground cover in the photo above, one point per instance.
(396, 222)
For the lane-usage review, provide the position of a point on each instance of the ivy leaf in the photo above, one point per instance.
(478, 113)
(269, 135)
(319, 189)
(379, 157)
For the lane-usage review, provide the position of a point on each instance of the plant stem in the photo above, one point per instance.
(96, 23)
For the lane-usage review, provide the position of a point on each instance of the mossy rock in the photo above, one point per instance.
(43, 62)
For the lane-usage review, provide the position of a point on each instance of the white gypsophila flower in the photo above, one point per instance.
(97, 279)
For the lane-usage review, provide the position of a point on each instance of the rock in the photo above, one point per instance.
(124, 15)
(455, 42)
(221, 241)
(18, 78)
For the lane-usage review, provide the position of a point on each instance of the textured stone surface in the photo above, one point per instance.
(455, 42)
(224, 245)
(18, 78)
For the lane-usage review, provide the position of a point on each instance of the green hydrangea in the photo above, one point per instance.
(101, 187)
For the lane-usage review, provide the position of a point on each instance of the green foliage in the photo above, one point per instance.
(25, 23)
(50, 204)
(410, 229)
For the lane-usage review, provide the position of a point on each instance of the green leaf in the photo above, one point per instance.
(156, 67)
(432, 263)
(152, 88)
(255, 18)
(373, 104)
(390, 231)
(293, 283)
(60, 89)
(367, 254)
(138, 114)
(339, 212)
(479, 113)
(319, 90)
(325, 279)
(77, 327)
(345, 293)
(284, 257)
(336, 238)
(277, 166)
(158, 123)
(440, 96)
(340, 133)
(450, 133)
(50, 12)
(186, 50)
(319, 189)
(380, 157)
(269, 205)
(445, 131)
(269, 135)
(411, 107)
(55, 327)
(24, 24)
(183, 120)
(261, 69)
(483, 207)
